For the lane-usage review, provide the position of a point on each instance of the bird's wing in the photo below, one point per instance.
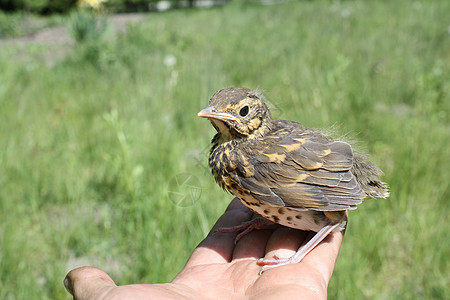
(302, 171)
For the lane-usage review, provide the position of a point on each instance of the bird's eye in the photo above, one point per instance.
(244, 111)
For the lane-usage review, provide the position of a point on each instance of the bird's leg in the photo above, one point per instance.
(301, 252)
(247, 227)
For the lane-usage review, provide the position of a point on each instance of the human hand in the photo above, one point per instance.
(220, 269)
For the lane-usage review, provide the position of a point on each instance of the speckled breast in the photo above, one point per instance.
(220, 161)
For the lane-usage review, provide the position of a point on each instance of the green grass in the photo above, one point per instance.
(90, 145)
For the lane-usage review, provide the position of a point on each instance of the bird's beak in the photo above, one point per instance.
(211, 113)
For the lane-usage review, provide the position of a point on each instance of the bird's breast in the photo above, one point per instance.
(223, 162)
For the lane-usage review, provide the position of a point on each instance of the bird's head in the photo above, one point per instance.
(238, 112)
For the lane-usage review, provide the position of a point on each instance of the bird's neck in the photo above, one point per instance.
(261, 131)
(221, 139)
(229, 135)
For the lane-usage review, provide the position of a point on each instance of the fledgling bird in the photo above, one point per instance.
(287, 173)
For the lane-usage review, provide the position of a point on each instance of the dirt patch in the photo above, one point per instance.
(58, 41)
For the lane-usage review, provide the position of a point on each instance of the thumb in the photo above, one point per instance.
(88, 283)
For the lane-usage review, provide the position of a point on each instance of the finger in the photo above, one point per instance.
(88, 283)
(284, 242)
(323, 257)
(252, 245)
(218, 248)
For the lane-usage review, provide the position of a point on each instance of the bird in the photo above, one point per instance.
(286, 173)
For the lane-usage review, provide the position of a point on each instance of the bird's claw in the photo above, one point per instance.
(268, 264)
(246, 227)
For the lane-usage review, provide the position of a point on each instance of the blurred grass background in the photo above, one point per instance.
(92, 144)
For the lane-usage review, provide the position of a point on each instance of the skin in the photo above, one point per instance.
(220, 269)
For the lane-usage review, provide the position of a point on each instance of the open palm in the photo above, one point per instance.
(220, 269)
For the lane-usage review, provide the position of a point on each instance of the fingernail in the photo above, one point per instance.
(68, 285)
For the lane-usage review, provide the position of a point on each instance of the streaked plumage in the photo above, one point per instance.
(289, 174)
